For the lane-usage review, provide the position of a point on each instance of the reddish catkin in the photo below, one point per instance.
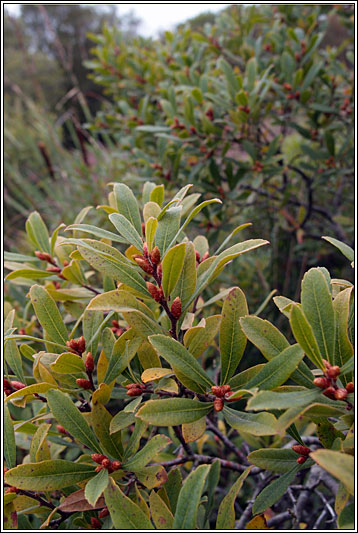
(83, 383)
(98, 457)
(144, 265)
(153, 291)
(350, 387)
(89, 364)
(155, 255)
(218, 404)
(81, 345)
(176, 308)
(301, 450)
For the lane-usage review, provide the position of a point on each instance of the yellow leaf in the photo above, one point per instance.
(195, 430)
(155, 373)
(259, 522)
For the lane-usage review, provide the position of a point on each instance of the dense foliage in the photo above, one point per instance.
(126, 402)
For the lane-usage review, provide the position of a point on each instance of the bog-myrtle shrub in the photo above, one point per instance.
(125, 405)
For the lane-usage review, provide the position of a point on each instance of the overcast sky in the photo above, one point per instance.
(155, 17)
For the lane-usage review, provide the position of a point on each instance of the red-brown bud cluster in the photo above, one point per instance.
(301, 450)
(218, 404)
(7, 387)
(117, 330)
(84, 383)
(144, 264)
(328, 383)
(135, 389)
(333, 372)
(287, 86)
(89, 363)
(340, 394)
(220, 390)
(210, 114)
(176, 308)
(77, 345)
(350, 387)
(322, 383)
(258, 166)
(104, 462)
(155, 255)
(145, 250)
(244, 108)
(177, 125)
(44, 256)
(155, 292)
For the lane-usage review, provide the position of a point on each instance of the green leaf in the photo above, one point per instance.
(28, 273)
(157, 194)
(121, 421)
(39, 450)
(274, 491)
(279, 460)
(126, 229)
(178, 357)
(342, 247)
(150, 230)
(173, 411)
(189, 499)
(9, 439)
(127, 205)
(96, 486)
(91, 322)
(255, 424)
(343, 347)
(36, 388)
(118, 300)
(303, 334)
(226, 512)
(251, 70)
(13, 359)
(186, 284)
(124, 512)
(240, 380)
(340, 465)
(48, 314)
(278, 370)
(37, 231)
(264, 335)
(232, 83)
(173, 487)
(167, 228)
(198, 338)
(142, 323)
(98, 232)
(111, 262)
(172, 265)
(51, 475)
(346, 519)
(121, 356)
(162, 516)
(68, 363)
(232, 339)
(67, 414)
(311, 74)
(317, 306)
(321, 407)
(267, 400)
(146, 454)
(101, 420)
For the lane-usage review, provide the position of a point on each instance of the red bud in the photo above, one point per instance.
(84, 383)
(341, 394)
(205, 256)
(217, 391)
(155, 255)
(322, 383)
(333, 372)
(43, 256)
(226, 388)
(330, 393)
(17, 385)
(95, 523)
(89, 364)
(106, 463)
(144, 265)
(326, 363)
(218, 404)
(176, 308)
(301, 460)
(61, 429)
(143, 229)
(116, 465)
(98, 457)
(350, 387)
(81, 345)
(145, 249)
(103, 513)
(134, 392)
(197, 255)
(98, 468)
(301, 450)
(154, 291)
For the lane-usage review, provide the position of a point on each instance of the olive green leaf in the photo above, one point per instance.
(68, 363)
(173, 411)
(48, 314)
(150, 229)
(13, 359)
(127, 205)
(9, 439)
(198, 338)
(179, 358)
(278, 370)
(38, 233)
(343, 347)
(274, 491)
(36, 388)
(67, 414)
(303, 334)
(53, 474)
(232, 340)
(124, 512)
(264, 335)
(123, 352)
(186, 284)
(255, 424)
(97, 232)
(117, 300)
(143, 324)
(189, 499)
(346, 519)
(172, 265)
(146, 454)
(226, 512)
(267, 400)
(342, 247)
(340, 465)
(162, 516)
(39, 450)
(279, 460)
(317, 307)
(96, 486)
(167, 228)
(101, 422)
(127, 230)
(91, 323)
